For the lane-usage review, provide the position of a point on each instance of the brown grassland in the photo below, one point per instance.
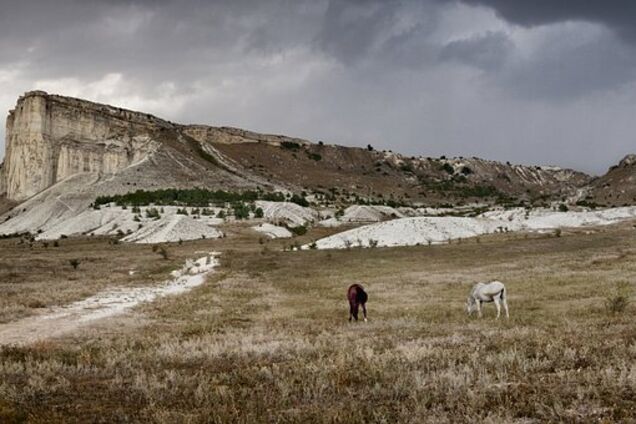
(266, 339)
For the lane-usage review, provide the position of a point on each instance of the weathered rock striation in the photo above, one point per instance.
(50, 137)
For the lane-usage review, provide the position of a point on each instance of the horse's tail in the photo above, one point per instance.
(503, 293)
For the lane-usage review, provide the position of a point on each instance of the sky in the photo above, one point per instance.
(548, 82)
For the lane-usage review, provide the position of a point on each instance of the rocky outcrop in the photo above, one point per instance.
(3, 189)
(50, 137)
(617, 187)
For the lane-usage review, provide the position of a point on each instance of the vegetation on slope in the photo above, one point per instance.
(197, 197)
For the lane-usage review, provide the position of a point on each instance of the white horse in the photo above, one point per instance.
(494, 291)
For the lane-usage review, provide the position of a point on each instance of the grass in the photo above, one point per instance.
(266, 339)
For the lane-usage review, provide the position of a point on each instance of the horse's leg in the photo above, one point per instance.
(505, 305)
(478, 305)
(355, 311)
(364, 311)
(350, 311)
(498, 306)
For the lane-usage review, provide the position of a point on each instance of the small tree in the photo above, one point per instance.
(258, 213)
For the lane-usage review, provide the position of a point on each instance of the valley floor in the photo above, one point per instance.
(266, 338)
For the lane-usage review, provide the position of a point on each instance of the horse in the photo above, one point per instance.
(357, 297)
(495, 291)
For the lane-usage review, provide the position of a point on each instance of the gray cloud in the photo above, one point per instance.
(552, 85)
(616, 14)
(485, 51)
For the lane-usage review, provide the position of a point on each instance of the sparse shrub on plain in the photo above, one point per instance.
(557, 232)
(74, 263)
(618, 300)
(163, 252)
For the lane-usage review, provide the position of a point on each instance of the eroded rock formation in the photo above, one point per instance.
(50, 137)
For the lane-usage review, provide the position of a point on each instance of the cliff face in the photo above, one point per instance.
(49, 138)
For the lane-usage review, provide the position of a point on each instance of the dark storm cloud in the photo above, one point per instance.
(423, 77)
(616, 14)
(486, 51)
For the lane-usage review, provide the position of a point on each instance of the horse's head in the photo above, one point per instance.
(470, 305)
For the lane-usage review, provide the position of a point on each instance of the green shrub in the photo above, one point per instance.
(618, 300)
(299, 230)
(241, 211)
(289, 145)
(152, 213)
(299, 200)
(448, 168)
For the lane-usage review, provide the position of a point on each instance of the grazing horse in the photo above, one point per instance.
(357, 297)
(494, 291)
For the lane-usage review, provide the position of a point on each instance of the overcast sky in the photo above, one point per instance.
(534, 82)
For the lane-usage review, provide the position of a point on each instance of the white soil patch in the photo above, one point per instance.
(434, 230)
(287, 212)
(272, 231)
(115, 220)
(65, 319)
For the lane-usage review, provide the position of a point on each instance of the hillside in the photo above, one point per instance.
(618, 186)
(51, 138)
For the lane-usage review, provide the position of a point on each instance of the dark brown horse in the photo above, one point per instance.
(357, 297)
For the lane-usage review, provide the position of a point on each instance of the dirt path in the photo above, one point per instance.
(66, 319)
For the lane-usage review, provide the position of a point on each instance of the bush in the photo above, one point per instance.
(617, 301)
(74, 263)
(241, 211)
(299, 230)
(289, 145)
(563, 208)
(448, 168)
(299, 200)
(557, 232)
(163, 252)
(153, 213)
(258, 213)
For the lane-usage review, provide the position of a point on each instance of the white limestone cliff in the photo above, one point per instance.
(50, 137)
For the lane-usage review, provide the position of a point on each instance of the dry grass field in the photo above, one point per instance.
(266, 338)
